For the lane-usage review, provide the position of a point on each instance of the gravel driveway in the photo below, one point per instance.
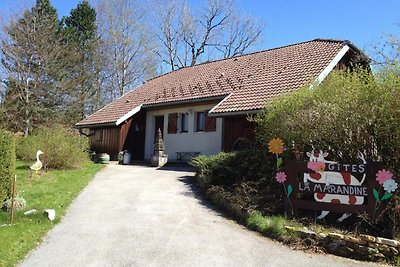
(140, 216)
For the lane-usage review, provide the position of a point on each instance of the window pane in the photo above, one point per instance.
(184, 122)
(200, 125)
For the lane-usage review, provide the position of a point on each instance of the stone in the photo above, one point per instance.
(395, 251)
(335, 236)
(340, 242)
(305, 233)
(30, 212)
(345, 252)
(388, 242)
(355, 240)
(309, 242)
(385, 250)
(50, 214)
(367, 238)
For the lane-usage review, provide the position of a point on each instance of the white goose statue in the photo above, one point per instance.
(38, 164)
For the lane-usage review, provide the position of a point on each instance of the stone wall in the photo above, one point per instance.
(361, 247)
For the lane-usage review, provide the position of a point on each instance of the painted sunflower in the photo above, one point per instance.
(275, 146)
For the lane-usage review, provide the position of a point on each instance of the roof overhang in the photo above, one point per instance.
(128, 115)
(95, 125)
(186, 101)
(330, 66)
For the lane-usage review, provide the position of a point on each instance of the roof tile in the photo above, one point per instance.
(251, 80)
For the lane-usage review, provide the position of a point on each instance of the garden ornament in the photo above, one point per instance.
(38, 164)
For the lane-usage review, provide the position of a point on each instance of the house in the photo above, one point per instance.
(204, 108)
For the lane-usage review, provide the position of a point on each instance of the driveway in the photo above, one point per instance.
(140, 216)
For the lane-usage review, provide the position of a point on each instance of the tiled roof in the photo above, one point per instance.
(249, 81)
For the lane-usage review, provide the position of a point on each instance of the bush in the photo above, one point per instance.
(7, 164)
(228, 168)
(63, 148)
(349, 112)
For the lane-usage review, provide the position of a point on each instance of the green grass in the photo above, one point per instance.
(273, 225)
(54, 189)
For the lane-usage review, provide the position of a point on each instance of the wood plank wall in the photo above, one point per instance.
(234, 128)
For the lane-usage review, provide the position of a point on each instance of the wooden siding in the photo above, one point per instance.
(105, 140)
(236, 127)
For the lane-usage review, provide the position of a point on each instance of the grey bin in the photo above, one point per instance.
(127, 158)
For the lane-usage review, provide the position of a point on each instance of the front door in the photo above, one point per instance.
(159, 124)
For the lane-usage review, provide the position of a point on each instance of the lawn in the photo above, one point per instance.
(54, 189)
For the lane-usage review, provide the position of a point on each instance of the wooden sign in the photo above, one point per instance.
(326, 186)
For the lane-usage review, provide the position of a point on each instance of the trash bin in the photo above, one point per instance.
(127, 157)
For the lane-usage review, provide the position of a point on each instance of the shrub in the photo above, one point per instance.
(7, 163)
(228, 168)
(63, 148)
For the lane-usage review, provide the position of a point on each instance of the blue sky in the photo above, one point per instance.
(291, 21)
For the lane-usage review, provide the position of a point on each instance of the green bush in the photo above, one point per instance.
(63, 148)
(7, 164)
(228, 168)
(349, 112)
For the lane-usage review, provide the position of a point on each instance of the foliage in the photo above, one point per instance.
(80, 30)
(349, 112)
(35, 59)
(55, 189)
(274, 225)
(7, 164)
(63, 148)
(228, 168)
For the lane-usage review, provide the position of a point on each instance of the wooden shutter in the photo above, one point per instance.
(173, 123)
(211, 123)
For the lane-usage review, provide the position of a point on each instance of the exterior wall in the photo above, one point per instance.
(109, 140)
(105, 140)
(206, 143)
(236, 127)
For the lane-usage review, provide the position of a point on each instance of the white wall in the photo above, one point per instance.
(206, 143)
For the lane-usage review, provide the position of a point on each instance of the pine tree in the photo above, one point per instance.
(80, 28)
(34, 58)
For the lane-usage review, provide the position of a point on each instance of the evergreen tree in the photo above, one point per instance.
(80, 29)
(34, 58)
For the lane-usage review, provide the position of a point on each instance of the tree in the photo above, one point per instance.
(218, 30)
(386, 51)
(80, 30)
(32, 58)
(126, 45)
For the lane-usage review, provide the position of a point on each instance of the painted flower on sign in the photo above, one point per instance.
(390, 186)
(383, 175)
(280, 177)
(275, 146)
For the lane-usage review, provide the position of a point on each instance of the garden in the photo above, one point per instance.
(66, 170)
(353, 117)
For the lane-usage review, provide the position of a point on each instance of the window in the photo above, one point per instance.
(200, 121)
(184, 122)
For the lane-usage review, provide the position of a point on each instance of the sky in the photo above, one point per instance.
(291, 21)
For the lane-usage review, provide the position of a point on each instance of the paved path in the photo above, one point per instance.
(140, 216)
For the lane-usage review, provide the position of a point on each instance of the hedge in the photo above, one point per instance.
(7, 163)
